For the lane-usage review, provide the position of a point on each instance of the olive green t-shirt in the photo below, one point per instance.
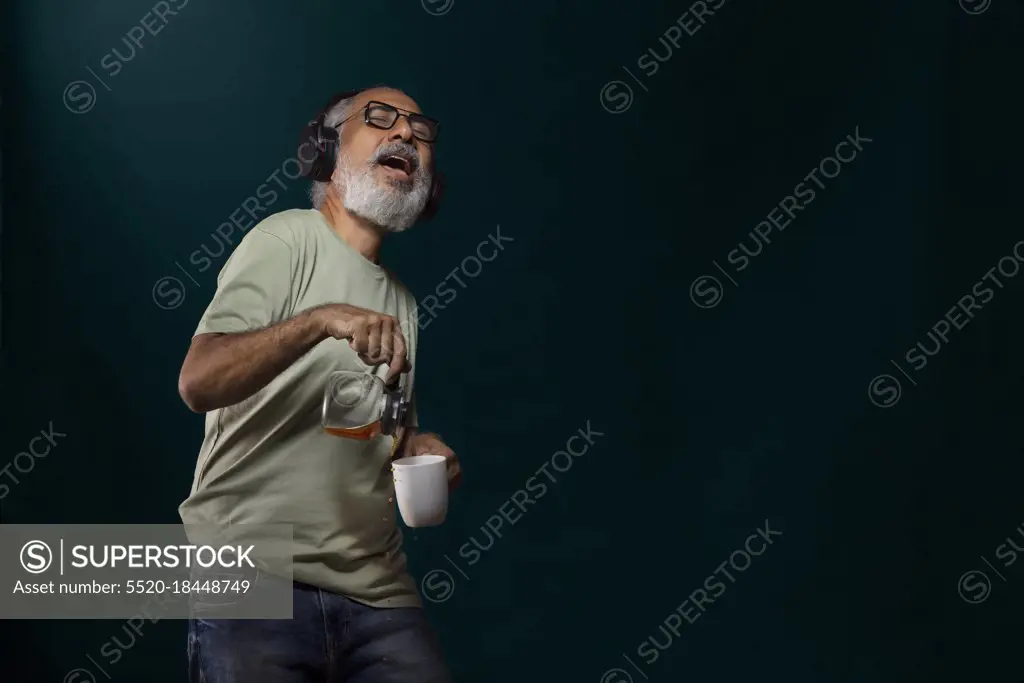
(267, 460)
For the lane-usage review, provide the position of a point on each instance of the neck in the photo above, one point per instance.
(359, 233)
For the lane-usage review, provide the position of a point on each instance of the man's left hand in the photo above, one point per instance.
(427, 443)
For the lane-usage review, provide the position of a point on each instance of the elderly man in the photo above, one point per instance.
(302, 295)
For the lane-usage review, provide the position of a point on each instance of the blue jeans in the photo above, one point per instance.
(329, 639)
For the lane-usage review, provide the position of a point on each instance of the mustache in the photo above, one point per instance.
(401, 149)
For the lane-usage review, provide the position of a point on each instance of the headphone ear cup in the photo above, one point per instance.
(318, 165)
(325, 139)
(327, 153)
(436, 194)
(310, 136)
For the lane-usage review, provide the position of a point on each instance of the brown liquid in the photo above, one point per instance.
(364, 433)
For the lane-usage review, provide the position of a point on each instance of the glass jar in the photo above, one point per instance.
(358, 405)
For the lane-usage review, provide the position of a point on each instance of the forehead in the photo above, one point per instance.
(396, 98)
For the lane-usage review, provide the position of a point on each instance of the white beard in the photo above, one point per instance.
(391, 206)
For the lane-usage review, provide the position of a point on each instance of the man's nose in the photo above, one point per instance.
(401, 130)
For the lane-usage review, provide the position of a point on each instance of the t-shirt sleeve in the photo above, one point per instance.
(253, 288)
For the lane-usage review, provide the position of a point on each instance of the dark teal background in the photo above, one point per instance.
(715, 419)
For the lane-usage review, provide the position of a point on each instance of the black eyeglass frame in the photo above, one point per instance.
(399, 113)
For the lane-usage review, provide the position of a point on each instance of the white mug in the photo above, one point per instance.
(421, 489)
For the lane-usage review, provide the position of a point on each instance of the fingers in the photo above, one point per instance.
(434, 447)
(374, 327)
(454, 474)
(376, 339)
(386, 341)
(398, 360)
(360, 341)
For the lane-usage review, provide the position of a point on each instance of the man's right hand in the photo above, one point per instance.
(377, 338)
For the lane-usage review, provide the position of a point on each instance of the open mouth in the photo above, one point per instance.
(398, 163)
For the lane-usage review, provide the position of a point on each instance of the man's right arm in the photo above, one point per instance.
(224, 369)
(246, 339)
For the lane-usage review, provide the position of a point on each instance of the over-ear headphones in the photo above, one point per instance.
(326, 141)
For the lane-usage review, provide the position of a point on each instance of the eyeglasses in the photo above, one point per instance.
(385, 116)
